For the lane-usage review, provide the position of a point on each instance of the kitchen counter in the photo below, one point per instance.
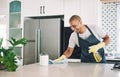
(64, 70)
(112, 59)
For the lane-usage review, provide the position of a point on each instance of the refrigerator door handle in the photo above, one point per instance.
(37, 45)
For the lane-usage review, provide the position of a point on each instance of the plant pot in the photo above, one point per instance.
(2, 67)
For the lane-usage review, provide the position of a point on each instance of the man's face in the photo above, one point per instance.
(75, 25)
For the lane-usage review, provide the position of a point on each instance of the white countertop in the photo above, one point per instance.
(64, 70)
(112, 59)
(107, 58)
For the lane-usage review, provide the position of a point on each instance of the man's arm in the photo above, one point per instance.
(68, 52)
(96, 47)
(106, 39)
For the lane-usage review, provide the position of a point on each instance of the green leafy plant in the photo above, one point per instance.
(7, 55)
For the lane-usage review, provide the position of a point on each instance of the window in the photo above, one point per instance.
(15, 29)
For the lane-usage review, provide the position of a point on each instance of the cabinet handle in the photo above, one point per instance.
(43, 9)
(40, 9)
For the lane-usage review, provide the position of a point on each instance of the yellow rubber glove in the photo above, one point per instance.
(93, 49)
(60, 58)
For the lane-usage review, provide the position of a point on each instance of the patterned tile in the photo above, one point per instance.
(109, 24)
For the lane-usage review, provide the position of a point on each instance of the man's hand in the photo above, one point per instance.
(60, 58)
(93, 49)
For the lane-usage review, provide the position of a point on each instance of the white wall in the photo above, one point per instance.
(4, 20)
(3, 7)
(90, 11)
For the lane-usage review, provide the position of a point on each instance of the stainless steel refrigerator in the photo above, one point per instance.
(43, 36)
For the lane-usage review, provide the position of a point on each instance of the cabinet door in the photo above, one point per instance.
(42, 7)
(30, 7)
(53, 7)
(71, 7)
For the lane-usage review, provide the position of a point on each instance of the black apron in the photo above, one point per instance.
(84, 48)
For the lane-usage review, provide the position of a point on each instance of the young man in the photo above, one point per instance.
(88, 38)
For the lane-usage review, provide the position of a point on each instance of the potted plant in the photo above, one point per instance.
(7, 55)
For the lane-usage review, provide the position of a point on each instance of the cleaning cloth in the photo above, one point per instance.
(64, 61)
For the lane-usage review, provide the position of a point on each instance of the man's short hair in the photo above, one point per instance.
(75, 17)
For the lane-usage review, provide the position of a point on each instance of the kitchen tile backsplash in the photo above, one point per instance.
(110, 24)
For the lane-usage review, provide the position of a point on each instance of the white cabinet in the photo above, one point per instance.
(89, 11)
(15, 28)
(42, 7)
(30, 7)
(51, 7)
(71, 7)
